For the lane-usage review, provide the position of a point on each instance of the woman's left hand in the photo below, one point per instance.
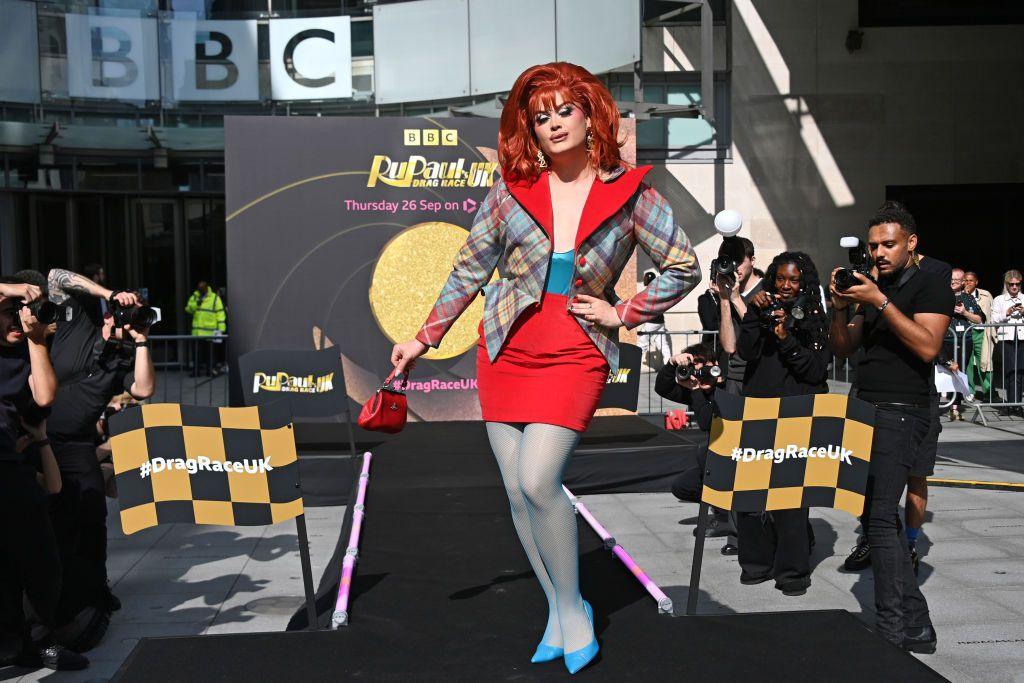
(780, 324)
(594, 310)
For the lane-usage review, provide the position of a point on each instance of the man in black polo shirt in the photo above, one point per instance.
(900, 323)
(94, 361)
(917, 487)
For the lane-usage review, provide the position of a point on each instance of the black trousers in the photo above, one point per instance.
(1012, 354)
(79, 516)
(775, 544)
(690, 482)
(29, 561)
(896, 452)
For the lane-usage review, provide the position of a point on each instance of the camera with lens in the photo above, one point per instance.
(796, 309)
(136, 316)
(43, 311)
(706, 374)
(860, 262)
(730, 256)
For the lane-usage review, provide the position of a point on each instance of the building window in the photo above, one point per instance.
(681, 139)
(676, 13)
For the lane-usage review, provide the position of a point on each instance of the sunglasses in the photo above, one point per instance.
(1013, 284)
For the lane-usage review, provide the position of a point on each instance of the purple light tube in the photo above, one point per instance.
(348, 565)
(664, 602)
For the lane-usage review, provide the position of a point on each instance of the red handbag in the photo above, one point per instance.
(387, 410)
(676, 419)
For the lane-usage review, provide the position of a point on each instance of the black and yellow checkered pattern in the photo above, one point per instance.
(164, 433)
(815, 421)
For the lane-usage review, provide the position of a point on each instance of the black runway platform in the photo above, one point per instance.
(444, 592)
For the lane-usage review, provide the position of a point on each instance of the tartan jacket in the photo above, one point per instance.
(513, 231)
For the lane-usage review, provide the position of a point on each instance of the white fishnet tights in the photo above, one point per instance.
(532, 458)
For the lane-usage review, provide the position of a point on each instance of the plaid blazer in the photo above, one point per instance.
(513, 232)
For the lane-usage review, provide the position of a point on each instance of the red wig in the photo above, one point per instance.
(536, 90)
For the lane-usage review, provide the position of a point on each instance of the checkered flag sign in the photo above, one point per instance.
(786, 453)
(202, 465)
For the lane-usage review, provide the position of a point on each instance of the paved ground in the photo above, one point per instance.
(185, 580)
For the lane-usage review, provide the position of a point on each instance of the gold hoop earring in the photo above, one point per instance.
(541, 161)
(590, 141)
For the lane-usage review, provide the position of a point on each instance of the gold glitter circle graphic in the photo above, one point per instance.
(409, 274)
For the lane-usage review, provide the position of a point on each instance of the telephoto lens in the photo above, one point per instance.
(800, 306)
(44, 311)
(845, 279)
(137, 317)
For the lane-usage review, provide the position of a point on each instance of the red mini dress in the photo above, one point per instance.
(548, 371)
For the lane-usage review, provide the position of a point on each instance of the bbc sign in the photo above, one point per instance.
(112, 57)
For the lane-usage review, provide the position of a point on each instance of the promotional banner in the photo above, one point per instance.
(203, 465)
(214, 60)
(112, 57)
(623, 388)
(310, 382)
(342, 231)
(787, 453)
(310, 59)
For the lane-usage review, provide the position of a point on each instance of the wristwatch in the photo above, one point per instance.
(40, 443)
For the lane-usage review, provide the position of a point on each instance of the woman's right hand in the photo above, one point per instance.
(404, 355)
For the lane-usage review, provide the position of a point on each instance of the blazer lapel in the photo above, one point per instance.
(605, 198)
(535, 199)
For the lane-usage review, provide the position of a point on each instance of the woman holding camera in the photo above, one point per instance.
(783, 339)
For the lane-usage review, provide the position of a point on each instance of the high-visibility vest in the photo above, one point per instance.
(208, 315)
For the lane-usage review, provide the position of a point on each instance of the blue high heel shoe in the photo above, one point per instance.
(576, 660)
(549, 653)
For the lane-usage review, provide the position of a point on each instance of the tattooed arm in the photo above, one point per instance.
(64, 283)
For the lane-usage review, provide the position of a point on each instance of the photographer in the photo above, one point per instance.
(783, 339)
(94, 361)
(900, 324)
(1008, 310)
(735, 291)
(29, 560)
(691, 378)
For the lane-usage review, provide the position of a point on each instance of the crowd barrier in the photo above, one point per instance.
(1002, 387)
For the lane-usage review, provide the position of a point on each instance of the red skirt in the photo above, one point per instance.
(548, 371)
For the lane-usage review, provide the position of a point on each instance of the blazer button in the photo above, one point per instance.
(579, 282)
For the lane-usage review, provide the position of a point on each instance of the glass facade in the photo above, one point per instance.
(136, 183)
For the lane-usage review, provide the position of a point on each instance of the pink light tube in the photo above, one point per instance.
(348, 565)
(664, 602)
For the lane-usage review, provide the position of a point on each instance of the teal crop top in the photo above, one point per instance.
(560, 273)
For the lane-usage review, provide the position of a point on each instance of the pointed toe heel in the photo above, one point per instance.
(547, 653)
(574, 661)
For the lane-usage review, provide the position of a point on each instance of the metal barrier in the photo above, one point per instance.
(1006, 378)
(190, 369)
(657, 341)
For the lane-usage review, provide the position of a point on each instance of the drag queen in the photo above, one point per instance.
(559, 227)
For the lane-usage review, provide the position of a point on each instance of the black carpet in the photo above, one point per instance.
(617, 455)
(443, 591)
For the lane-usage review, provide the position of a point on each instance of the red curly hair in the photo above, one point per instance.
(536, 90)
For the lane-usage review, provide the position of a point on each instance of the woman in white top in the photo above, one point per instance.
(1008, 309)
